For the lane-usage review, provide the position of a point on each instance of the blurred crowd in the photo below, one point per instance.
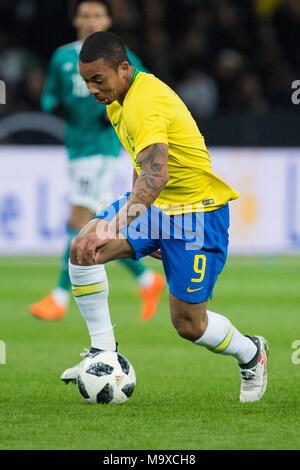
(219, 55)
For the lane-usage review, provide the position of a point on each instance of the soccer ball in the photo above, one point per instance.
(106, 377)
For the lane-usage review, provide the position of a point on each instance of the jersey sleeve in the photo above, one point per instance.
(135, 61)
(51, 95)
(148, 124)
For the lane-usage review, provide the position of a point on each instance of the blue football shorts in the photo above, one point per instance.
(193, 246)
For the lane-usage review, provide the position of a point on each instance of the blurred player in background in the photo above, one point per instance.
(93, 149)
(174, 188)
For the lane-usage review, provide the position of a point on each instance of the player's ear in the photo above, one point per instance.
(124, 67)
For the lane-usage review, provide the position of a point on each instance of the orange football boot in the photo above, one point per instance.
(48, 309)
(151, 296)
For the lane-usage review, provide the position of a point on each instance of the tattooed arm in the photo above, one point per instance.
(153, 161)
(134, 176)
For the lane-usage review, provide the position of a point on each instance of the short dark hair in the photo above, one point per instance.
(104, 45)
(74, 4)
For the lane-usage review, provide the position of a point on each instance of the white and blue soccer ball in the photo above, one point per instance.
(106, 377)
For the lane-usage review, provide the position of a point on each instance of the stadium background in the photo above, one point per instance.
(234, 63)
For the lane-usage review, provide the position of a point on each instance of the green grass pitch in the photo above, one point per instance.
(186, 397)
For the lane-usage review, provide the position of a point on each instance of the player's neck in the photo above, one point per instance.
(128, 84)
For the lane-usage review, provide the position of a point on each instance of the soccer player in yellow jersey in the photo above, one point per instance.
(177, 211)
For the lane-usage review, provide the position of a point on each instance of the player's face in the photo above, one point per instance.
(104, 82)
(90, 18)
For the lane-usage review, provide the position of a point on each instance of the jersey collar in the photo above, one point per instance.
(135, 73)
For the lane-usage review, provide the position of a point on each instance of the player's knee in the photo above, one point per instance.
(190, 328)
(74, 249)
(189, 332)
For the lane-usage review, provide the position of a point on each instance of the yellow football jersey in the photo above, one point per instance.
(153, 113)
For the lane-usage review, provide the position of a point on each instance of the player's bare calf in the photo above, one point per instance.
(189, 319)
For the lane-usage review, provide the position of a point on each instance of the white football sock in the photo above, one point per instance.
(90, 290)
(222, 337)
(146, 278)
